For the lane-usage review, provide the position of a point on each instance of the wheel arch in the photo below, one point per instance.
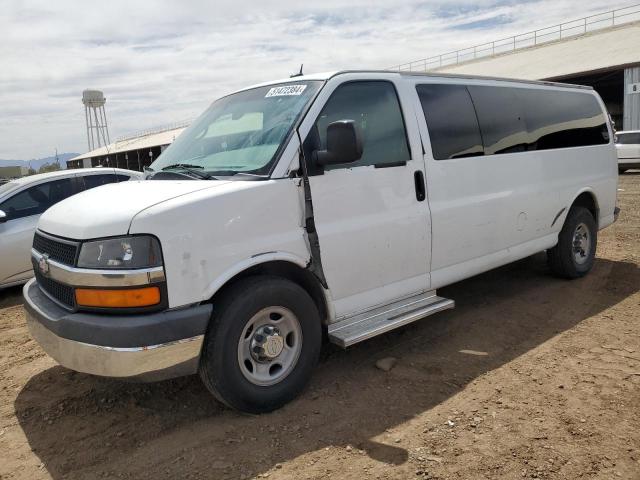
(285, 266)
(587, 198)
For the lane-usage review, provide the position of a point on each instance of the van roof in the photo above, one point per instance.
(327, 75)
(502, 79)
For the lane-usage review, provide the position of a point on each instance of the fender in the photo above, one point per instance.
(254, 260)
(561, 216)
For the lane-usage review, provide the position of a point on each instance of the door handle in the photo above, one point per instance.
(418, 178)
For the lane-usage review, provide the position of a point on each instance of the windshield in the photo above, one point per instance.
(240, 133)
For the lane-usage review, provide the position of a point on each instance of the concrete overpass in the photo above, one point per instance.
(581, 51)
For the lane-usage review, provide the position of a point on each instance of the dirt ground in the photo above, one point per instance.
(529, 377)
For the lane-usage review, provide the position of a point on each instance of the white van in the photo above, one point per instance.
(335, 203)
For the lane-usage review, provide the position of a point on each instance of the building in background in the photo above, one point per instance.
(601, 51)
(7, 173)
(133, 152)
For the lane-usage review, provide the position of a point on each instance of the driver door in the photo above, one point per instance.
(371, 216)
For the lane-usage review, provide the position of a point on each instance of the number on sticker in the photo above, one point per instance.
(285, 90)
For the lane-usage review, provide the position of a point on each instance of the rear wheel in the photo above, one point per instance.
(574, 254)
(262, 345)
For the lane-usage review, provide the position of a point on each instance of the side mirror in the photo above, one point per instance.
(344, 144)
(3, 216)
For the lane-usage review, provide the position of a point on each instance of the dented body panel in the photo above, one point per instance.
(211, 235)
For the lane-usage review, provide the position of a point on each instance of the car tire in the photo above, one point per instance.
(262, 344)
(574, 254)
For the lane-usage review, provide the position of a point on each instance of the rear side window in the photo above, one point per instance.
(35, 200)
(92, 181)
(562, 119)
(473, 120)
(123, 178)
(628, 138)
(501, 119)
(451, 120)
(374, 107)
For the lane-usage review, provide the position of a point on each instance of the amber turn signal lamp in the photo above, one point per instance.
(129, 298)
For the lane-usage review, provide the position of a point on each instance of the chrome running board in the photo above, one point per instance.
(365, 325)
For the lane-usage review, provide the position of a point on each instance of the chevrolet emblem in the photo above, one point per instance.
(43, 264)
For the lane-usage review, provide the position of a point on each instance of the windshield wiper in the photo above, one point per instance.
(189, 168)
(234, 173)
(181, 165)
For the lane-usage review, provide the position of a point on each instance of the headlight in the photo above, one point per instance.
(140, 251)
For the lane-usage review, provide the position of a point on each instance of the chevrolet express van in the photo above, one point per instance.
(319, 205)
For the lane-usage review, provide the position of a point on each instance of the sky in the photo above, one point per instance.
(160, 62)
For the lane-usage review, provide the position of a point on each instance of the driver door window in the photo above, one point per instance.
(35, 200)
(374, 107)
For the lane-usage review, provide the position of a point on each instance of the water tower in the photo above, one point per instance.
(96, 118)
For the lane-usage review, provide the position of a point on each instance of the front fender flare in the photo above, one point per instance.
(247, 263)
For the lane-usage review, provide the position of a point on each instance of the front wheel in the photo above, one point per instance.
(574, 255)
(262, 344)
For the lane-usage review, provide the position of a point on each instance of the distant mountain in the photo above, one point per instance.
(37, 163)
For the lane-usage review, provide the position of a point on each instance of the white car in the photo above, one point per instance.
(333, 202)
(628, 148)
(23, 200)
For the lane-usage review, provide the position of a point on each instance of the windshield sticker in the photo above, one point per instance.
(286, 90)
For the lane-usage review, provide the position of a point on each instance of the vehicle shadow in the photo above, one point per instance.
(84, 427)
(10, 297)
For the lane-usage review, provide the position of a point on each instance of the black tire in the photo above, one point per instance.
(622, 170)
(561, 258)
(220, 367)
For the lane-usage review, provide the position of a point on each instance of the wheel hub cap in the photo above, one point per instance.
(267, 343)
(581, 244)
(269, 346)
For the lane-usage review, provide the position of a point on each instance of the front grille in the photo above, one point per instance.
(62, 293)
(63, 251)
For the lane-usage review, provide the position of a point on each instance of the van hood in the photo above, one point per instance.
(108, 210)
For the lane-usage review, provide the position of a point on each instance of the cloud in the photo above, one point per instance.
(164, 61)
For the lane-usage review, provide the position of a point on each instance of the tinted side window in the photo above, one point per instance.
(374, 107)
(92, 181)
(123, 178)
(451, 120)
(628, 138)
(35, 200)
(501, 119)
(562, 119)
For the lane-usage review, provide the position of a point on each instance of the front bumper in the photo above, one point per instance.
(138, 347)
